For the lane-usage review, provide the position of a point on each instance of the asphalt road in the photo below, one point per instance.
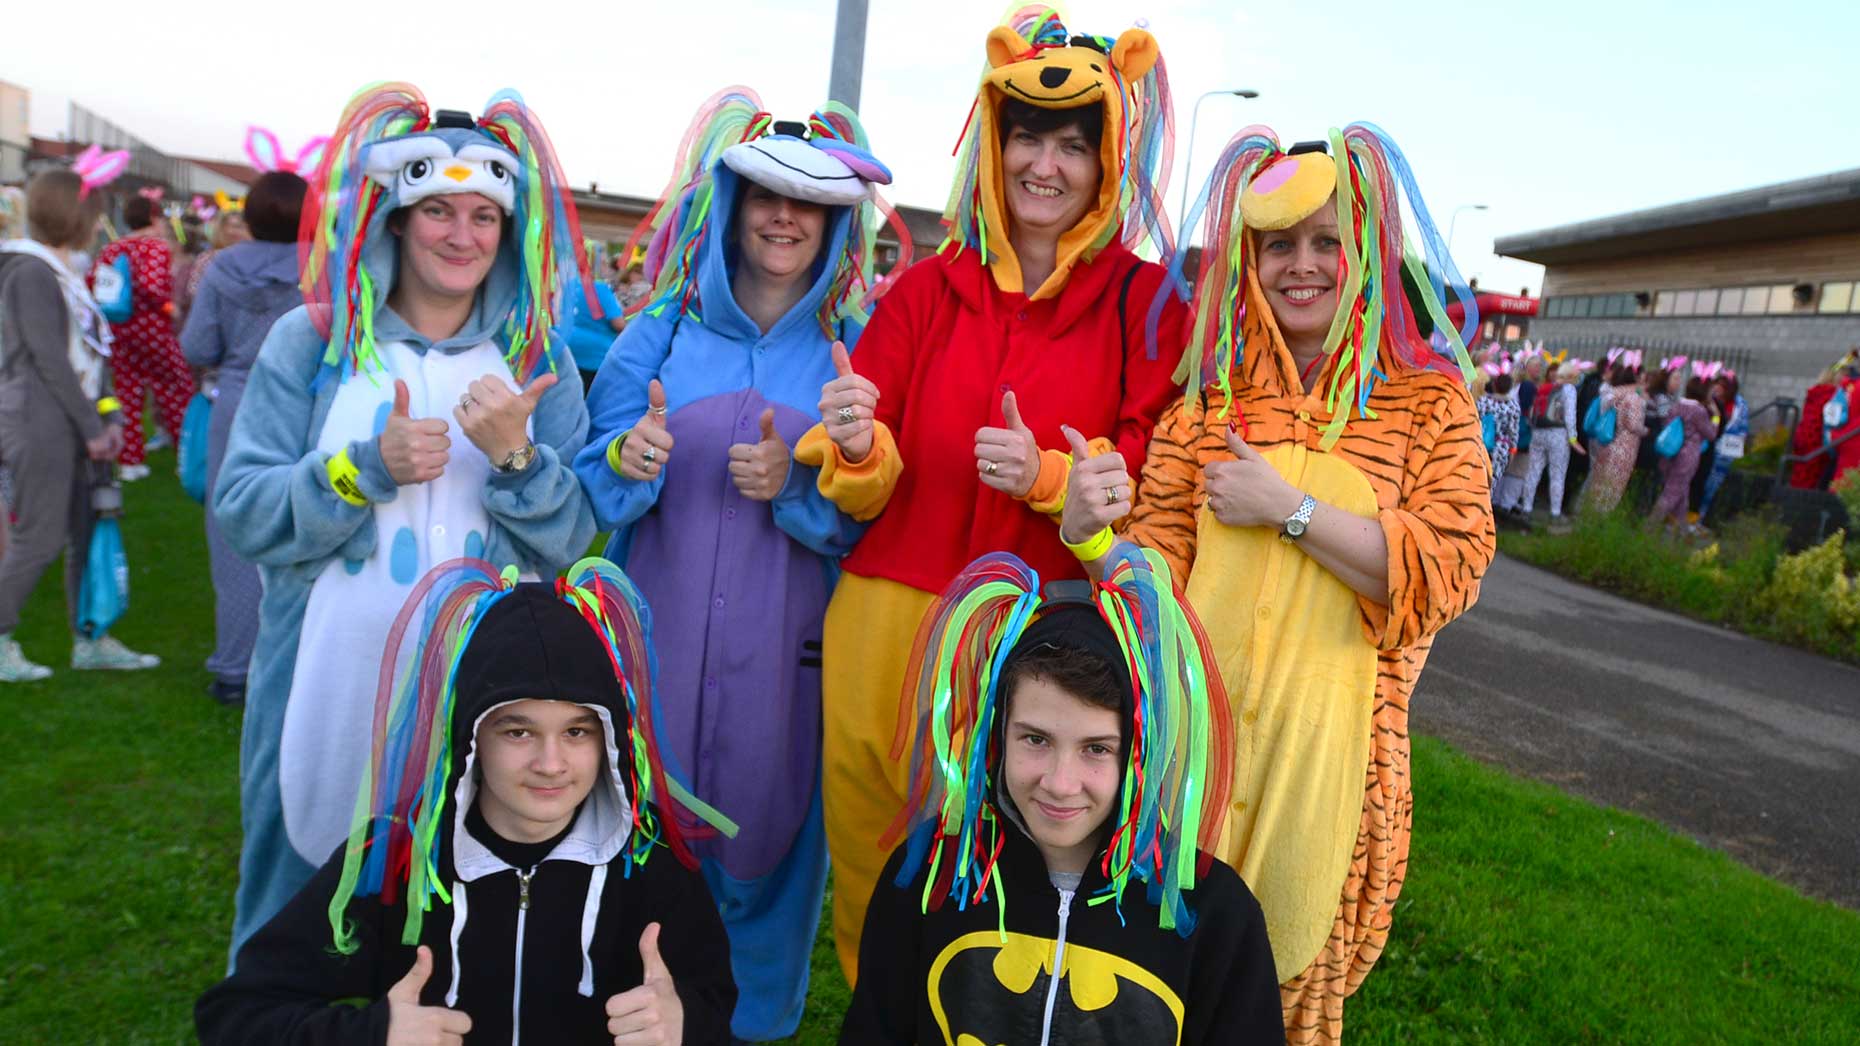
(1746, 746)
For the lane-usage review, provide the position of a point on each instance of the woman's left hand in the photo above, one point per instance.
(496, 417)
(1248, 491)
(760, 469)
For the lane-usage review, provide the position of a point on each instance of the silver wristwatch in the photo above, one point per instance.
(1294, 526)
(517, 460)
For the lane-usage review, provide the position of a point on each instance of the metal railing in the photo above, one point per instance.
(1826, 449)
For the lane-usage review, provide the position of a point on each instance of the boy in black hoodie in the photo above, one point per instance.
(513, 801)
(1058, 764)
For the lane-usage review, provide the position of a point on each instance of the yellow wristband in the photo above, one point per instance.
(342, 478)
(1092, 548)
(109, 405)
(613, 452)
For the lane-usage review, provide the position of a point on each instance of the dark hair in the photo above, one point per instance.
(273, 206)
(1081, 673)
(1623, 374)
(1015, 114)
(1729, 384)
(139, 212)
(1698, 391)
(1658, 381)
(1499, 384)
(58, 214)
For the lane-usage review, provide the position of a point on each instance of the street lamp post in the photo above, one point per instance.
(1453, 223)
(1188, 161)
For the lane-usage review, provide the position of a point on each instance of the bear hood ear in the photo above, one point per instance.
(1135, 53)
(1005, 47)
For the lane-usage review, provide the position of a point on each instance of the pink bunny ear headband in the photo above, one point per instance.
(97, 168)
(1673, 363)
(1501, 365)
(262, 149)
(1709, 371)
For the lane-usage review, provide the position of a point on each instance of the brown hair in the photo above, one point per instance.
(1659, 381)
(1081, 673)
(1623, 374)
(1499, 384)
(1698, 391)
(274, 205)
(57, 211)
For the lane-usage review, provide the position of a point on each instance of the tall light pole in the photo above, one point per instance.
(1188, 161)
(1453, 223)
(848, 69)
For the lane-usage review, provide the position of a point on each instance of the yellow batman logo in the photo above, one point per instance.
(999, 992)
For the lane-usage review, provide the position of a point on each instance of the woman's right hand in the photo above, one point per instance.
(414, 450)
(847, 406)
(1097, 491)
(648, 443)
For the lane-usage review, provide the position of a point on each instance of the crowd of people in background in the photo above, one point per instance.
(1666, 430)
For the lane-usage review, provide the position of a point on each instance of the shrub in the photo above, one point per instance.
(1810, 599)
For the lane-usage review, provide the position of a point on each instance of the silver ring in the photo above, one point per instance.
(1112, 495)
(650, 454)
(991, 468)
(467, 401)
(846, 416)
(657, 412)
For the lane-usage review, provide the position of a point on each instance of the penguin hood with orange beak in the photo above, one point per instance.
(1036, 61)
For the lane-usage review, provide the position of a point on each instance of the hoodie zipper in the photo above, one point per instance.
(1059, 960)
(516, 988)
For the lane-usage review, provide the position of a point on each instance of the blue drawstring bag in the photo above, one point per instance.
(1599, 424)
(115, 294)
(1671, 439)
(1488, 425)
(104, 595)
(193, 448)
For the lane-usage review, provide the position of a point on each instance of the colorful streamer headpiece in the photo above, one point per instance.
(1034, 58)
(388, 151)
(1394, 265)
(425, 712)
(1178, 752)
(826, 160)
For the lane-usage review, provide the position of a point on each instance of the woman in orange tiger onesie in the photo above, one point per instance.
(1322, 495)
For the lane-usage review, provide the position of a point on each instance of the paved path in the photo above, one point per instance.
(1747, 746)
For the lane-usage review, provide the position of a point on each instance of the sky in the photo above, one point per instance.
(1546, 113)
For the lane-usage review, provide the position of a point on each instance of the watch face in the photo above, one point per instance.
(1295, 527)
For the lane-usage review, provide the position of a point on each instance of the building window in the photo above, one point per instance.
(1582, 306)
(1707, 303)
(1782, 298)
(1730, 301)
(1685, 303)
(1836, 297)
(1663, 303)
(1756, 300)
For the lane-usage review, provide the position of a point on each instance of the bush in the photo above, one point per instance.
(1764, 452)
(1745, 579)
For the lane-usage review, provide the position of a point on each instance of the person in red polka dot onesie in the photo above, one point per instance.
(147, 355)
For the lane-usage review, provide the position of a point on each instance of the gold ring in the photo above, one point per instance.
(1112, 496)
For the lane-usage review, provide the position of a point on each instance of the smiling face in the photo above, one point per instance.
(537, 760)
(447, 245)
(1050, 179)
(1061, 762)
(779, 236)
(1299, 270)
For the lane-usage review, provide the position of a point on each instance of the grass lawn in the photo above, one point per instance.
(1528, 916)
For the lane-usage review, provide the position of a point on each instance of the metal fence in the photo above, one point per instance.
(1653, 350)
(146, 161)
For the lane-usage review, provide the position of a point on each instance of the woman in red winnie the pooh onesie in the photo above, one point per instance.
(943, 430)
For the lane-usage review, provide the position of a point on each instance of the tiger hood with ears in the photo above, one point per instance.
(1035, 60)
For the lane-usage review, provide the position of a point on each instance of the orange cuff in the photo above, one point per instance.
(860, 489)
(1048, 493)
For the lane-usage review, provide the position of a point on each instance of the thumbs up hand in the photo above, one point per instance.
(414, 450)
(1008, 458)
(496, 417)
(1248, 491)
(648, 443)
(760, 469)
(649, 1015)
(411, 1024)
(846, 407)
(1097, 492)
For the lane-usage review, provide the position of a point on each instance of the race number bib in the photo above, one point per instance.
(1731, 446)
